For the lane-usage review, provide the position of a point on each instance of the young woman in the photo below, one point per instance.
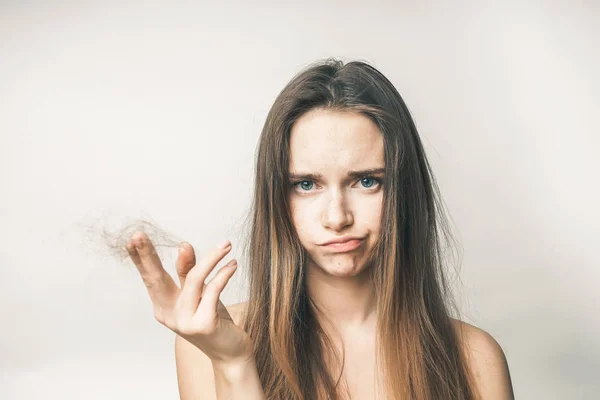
(348, 296)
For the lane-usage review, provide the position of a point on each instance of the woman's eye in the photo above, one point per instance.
(368, 182)
(372, 181)
(304, 185)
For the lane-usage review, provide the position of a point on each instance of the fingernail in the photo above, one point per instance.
(224, 244)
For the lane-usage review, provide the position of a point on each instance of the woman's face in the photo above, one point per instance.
(327, 201)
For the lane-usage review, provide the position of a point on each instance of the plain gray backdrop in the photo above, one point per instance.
(114, 110)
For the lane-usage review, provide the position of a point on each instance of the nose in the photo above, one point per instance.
(337, 214)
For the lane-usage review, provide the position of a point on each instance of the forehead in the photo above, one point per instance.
(324, 140)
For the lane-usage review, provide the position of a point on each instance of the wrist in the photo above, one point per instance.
(238, 380)
(234, 371)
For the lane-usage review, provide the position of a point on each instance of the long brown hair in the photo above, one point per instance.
(419, 348)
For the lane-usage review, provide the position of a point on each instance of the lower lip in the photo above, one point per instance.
(346, 246)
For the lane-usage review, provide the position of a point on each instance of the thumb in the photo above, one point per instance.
(186, 259)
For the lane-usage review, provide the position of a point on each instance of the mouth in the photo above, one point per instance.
(345, 246)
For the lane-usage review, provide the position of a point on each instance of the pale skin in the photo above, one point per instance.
(209, 366)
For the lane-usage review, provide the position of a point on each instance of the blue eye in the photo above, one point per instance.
(368, 182)
(368, 179)
(303, 187)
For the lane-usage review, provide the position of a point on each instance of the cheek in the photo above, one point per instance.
(372, 218)
(372, 206)
(303, 218)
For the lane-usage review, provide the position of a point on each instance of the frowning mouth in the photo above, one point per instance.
(342, 239)
(344, 246)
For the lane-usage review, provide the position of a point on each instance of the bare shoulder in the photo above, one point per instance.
(487, 362)
(195, 376)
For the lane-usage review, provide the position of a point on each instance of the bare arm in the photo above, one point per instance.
(199, 378)
(195, 377)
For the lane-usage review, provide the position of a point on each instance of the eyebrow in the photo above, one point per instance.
(351, 174)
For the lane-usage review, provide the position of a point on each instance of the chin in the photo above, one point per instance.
(342, 268)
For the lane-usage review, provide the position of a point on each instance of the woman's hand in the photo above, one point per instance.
(194, 312)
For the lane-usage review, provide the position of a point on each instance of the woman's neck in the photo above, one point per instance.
(345, 304)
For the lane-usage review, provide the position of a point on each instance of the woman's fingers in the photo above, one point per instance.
(194, 281)
(163, 291)
(186, 259)
(212, 291)
(161, 287)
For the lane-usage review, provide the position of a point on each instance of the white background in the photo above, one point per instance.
(115, 110)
